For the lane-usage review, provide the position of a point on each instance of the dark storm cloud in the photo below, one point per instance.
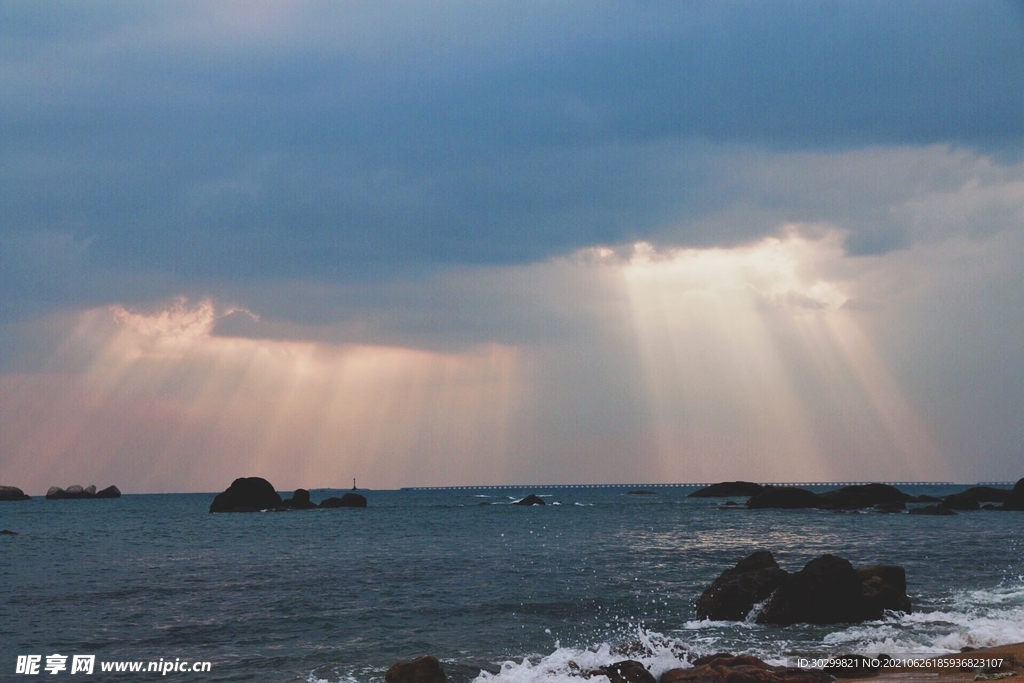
(149, 146)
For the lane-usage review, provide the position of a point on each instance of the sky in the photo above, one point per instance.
(427, 244)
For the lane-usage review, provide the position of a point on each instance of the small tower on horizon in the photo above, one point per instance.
(353, 483)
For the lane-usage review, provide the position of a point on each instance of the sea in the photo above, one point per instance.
(499, 593)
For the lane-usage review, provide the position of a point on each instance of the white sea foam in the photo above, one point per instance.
(657, 652)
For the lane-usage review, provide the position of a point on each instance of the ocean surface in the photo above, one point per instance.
(499, 593)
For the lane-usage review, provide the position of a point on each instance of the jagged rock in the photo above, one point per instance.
(349, 500)
(725, 668)
(1015, 501)
(530, 500)
(784, 497)
(89, 491)
(940, 509)
(884, 587)
(425, 669)
(735, 592)
(728, 489)
(828, 590)
(626, 671)
(11, 493)
(299, 501)
(247, 494)
(109, 492)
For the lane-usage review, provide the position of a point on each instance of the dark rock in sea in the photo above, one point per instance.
(247, 494)
(925, 498)
(940, 510)
(990, 506)
(349, 500)
(640, 492)
(425, 669)
(530, 500)
(8, 532)
(828, 590)
(11, 493)
(785, 497)
(725, 668)
(735, 592)
(860, 496)
(730, 505)
(299, 501)
(109, 492)
(728, 489)
(972, 498)
(70, 493)
(1015, 501)
(627, 671)
(890, 508)
(884, 587)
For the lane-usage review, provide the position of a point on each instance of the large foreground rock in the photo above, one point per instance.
(349, 500)
(1015, 501)
(728, 489)
(735, 592)
(828, 590)
(12, 493)
(425, 669)
(247, 494)
(726, 668)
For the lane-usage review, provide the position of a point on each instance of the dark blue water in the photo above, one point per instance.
(339, 595)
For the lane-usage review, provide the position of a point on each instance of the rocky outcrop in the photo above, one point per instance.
(425, 669)
(1015, 501)
(726, 668)
(77, 492)
(860, 496)
(109, 492)
(972, 498)
(299, 501)
(349, 500)
(828, 590)
(247, 494)
(784, 497)
(735, 592)
(728, 489)
(626, 671)
(530, 500)
(9, 493)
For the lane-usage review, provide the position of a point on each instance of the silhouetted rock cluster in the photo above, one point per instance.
(728, 489)
(828, 590)
(77, 492)
(255, 494)
(10, 493)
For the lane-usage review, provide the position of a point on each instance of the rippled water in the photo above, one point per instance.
(496, 591)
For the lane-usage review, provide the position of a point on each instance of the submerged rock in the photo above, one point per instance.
(726, 668)
(530, 500)
(735, 592)
(11, 493)
(728, 489)
(626, 671)
(247, 494)
(349, 500)
(425, 669)
(1015, 501)
(299, 501)
(640, 492)
(8, 532)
